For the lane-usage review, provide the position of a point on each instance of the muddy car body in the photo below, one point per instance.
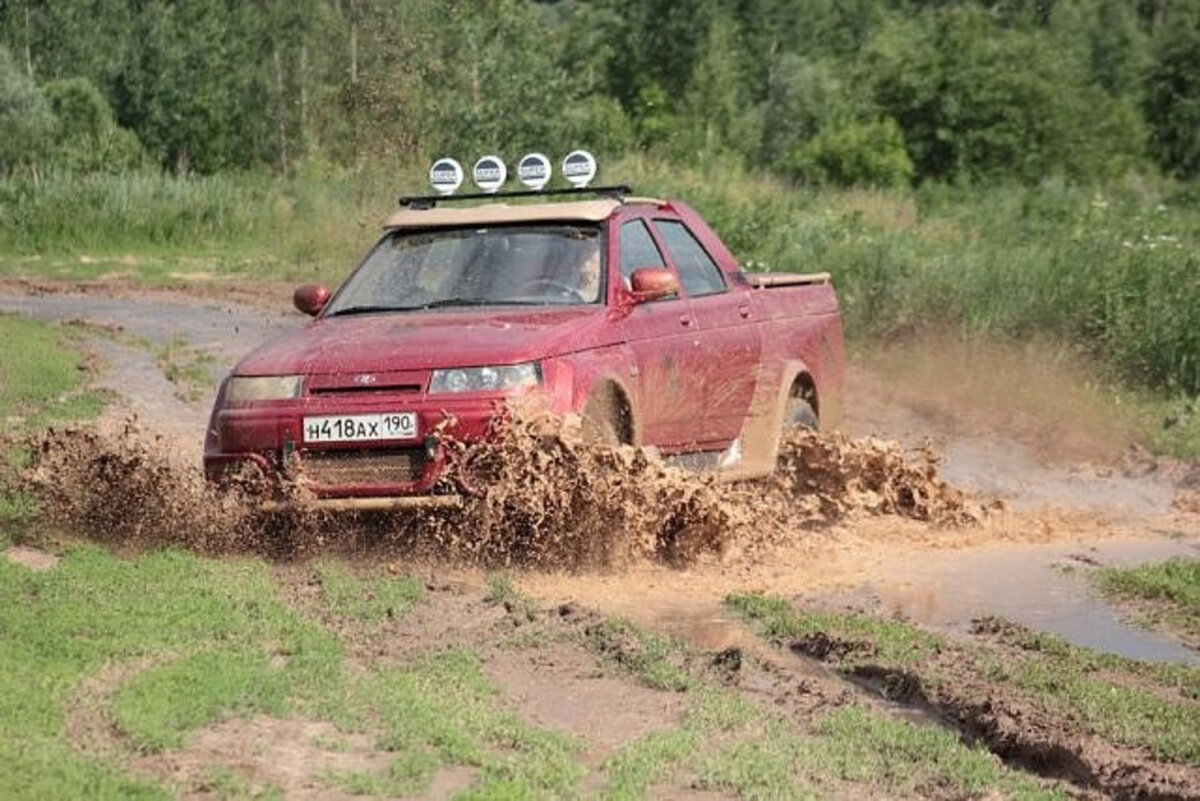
(629, 312)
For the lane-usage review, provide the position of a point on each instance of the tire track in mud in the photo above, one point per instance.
(948, 688)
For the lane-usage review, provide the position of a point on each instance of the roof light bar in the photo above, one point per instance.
(618, 192)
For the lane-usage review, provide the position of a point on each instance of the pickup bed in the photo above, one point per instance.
(629, 312)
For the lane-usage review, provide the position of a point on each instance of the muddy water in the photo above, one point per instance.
(1044, 587)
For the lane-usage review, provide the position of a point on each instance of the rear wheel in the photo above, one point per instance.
(799, 414)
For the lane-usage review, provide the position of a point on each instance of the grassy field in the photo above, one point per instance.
(1112, 273)
(216, 673)
(100, 688)
(1164, 595)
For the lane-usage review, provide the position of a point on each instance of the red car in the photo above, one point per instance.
(628, 311)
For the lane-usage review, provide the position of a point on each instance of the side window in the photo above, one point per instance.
(697, 271)
(637, 249)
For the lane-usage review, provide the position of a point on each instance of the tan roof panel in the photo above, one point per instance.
(495, 213)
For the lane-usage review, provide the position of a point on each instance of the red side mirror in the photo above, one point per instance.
(652, 283)
(311, 298)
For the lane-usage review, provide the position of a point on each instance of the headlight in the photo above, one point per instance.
(259, 388)
(483, 379)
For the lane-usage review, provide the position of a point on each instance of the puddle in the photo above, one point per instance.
(1042, 586)
(1029, 585)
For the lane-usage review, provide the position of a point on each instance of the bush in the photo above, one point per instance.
(26, 121)
(89, 139)
(856, 153)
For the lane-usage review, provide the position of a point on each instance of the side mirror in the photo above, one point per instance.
(311, 298)
(652, 283)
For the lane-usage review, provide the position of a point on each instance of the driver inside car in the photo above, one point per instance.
(588, 283)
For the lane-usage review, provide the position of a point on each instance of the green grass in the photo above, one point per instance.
(231, 786)
(186, 642)
(94, 612)
(890, 640)
(861, 746)
(653, 659)
(373, 598)
(444, 707)
(1165, 594)
(42, 375)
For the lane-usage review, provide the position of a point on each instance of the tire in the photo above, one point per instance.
(799, 414)
(605, 420)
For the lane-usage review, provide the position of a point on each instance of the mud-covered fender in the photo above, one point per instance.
(574, 378)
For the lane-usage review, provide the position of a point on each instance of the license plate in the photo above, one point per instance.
(360, 427)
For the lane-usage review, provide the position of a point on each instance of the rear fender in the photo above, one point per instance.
(760, 434)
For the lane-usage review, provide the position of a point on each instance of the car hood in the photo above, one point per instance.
(424, 340)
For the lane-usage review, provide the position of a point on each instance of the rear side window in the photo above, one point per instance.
(637, 249)
(698, 272)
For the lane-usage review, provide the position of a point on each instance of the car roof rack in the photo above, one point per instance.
(420, 202)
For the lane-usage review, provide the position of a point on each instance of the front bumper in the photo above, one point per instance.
(266, 439)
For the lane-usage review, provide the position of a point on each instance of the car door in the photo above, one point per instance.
(731, 342)
(664, 339)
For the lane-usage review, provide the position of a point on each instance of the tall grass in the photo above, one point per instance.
(1116, 272)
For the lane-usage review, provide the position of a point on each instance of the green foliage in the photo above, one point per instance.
(1176, 580)
(159, 706)
(855, 153)
(1172, 103)
(890, 640)
(26, 121)
(655, 660)
(981, 91)
(89, 140)
(979, 101)
(1128, 702)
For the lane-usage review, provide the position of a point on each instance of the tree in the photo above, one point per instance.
(1172, 104)
(26, 121)
(977, 101)
(88, 139)
(854, 154)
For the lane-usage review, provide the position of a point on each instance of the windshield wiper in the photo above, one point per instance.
(436, 304)
(366, 310)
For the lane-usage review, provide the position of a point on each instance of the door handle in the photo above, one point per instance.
(744, 311)
(685, 321)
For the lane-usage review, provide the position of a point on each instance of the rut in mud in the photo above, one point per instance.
(552, 501)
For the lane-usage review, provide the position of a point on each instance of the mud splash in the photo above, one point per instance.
(831, 476)
(551, 501)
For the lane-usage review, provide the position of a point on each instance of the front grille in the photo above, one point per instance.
(376, 466)
(371, 389)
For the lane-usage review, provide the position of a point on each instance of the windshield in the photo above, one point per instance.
(501, 265)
